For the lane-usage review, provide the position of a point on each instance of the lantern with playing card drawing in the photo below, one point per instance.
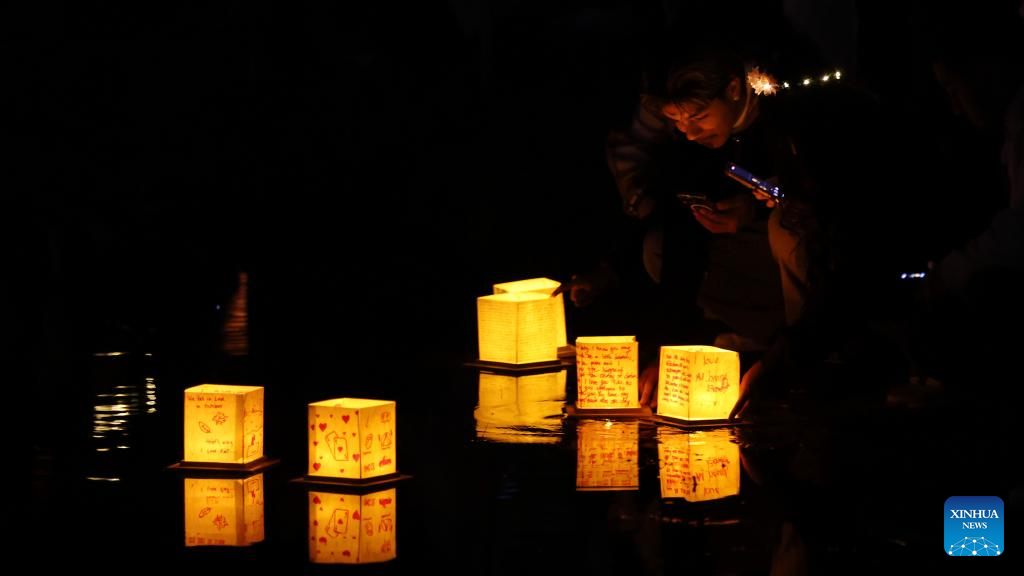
(352, 439)
(348, 528)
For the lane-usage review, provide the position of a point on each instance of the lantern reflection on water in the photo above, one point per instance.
(606, 457)
(352, 528)
(698, 466)
(520, 409)
(224, 511)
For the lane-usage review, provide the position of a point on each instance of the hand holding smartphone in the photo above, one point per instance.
(728, 215)
(696, 201)
(763, 189)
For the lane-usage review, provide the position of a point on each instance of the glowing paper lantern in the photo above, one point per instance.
(352, 528)
(606, 372)
(606, 457)
(519, 327)
(697, 382)
(698, 466)
(352, 438)
(521, 409)
(223, 511)
(223, 424)
(545, 286)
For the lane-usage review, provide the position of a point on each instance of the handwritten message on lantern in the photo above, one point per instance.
(606, 372)
(518, 327)
(223, 511)
(698, 466)
(352, 438)
(352, 528)
(697, 382)
(223, 423)
(606, 457)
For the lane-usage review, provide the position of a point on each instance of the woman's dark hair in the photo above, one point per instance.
(699, 75)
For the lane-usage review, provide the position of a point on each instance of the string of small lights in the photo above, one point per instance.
(766, 84)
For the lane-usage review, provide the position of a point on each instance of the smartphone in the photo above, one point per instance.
(696, 201)
(761, 187)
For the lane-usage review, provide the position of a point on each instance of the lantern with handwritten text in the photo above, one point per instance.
(520, 327)
(224, 511)
(606, 372)
(698, 466)
(223, 424)
(544, 286)
(352, 438)
(697, 382)
(352, 528)
(523, 409)
(606, 456)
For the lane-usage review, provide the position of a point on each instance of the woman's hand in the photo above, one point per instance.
(728, 216)
(649, 385)
(748, 385)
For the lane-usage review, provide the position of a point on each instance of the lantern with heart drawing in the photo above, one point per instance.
(352, 439)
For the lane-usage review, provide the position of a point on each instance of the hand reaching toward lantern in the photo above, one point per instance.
(748, 386)
(648, 385)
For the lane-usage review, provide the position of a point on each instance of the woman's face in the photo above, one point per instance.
(706, 123)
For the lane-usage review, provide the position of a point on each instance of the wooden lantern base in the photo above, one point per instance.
(573, 412)
(221, 469)
(698, 424)
(375, 483)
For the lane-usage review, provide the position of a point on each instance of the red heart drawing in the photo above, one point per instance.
(316, 499)
(311, 427)
(316, 442)
(316, 466)
(355, 457)
(355, 515)
(346, 553)
(316, 522)
(345, 418)
(341, 449)
(323, 540)
(323, 426)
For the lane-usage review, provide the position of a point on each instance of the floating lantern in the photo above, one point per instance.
(606, 372)
(352, 439)
(697, 382)
(223, 424)
(544, 286)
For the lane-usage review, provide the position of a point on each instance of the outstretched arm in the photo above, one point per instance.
(628, 154)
